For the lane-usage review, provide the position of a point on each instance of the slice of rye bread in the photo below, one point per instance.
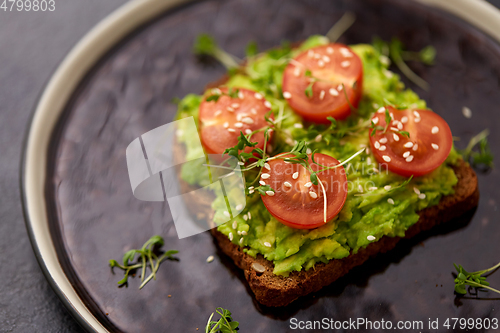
(274, 290)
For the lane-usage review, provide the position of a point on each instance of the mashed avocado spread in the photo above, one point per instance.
(366, 212)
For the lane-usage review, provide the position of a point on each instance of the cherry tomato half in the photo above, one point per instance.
(298, 203)
(427, 148)
(312, 82)
(222, 121)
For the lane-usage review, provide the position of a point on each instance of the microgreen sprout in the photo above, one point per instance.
(484, 155)
(224, 325)
(474, 279)
(147, 257)
(341, 26)
(206, 45)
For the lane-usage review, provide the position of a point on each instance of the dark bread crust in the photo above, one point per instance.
(273, 290)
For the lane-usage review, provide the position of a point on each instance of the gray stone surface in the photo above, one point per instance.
(31, 46)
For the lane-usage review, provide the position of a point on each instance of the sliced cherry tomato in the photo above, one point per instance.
(222, 121)
(427, 148)
(312, 82)
(298, 203)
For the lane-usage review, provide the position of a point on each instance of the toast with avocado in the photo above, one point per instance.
(340, 162)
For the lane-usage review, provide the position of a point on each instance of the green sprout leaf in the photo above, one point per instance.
(474, 279)
(147, 257)
(224, 325)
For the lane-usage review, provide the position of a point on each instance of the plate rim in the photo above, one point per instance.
(62, 84)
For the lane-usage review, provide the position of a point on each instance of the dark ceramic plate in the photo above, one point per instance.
(92, 215)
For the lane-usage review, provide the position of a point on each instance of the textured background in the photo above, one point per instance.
(32, 45)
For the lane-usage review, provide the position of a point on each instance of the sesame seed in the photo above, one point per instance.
(217, 113)
(367, 151)
(235, 224)
(415, 147)
(373, 188)
(375, 170)
(321, 63)
(333, 92)
(345, 52)
(258, 96)
(310, 53)
(391, 201)
(318, 138)
(295, 175)
(235, 105)
(267, 244)
(267, 166)
(317, 56)
(345, 63)
(248, 131)
(326, 59)
(406, 154)
(400, 126)
(322, 95)
(369, 160)
(421, 196)
(360, 188)
(381, 110)
(417, 120)
(329, 50)
(226, 213)
(238, 125)
(375, 120)
(409, 144)
(210, 259)
(251, 191)
(370, 238)
(395, 136)
(250, 217)
(383, 140)
(313, 195)
(376, 145)
(216, 91)
(253, 111)
(296, 72)
(239, 207)
(247, 120)
(409, 158)
(308, 151)
(245, 217)
(386, 158)
(308, 184)
(416, 190)
(339, 87)
(251, 188)
(265, 176)
(231, 130)
(388, 74)
(226, 124)
(244, 233)
(230, 109)
(270, 193)
(231, 236)
(298, 125)
(240, 95)
(287, 184)
(434, 146)
(385, 60)
(395, 129)
(267, 104)
(387, 187)
(241, 240)
(466, 112)
(382, 148)
(404, 120)
(261, 182)
(435, 130)
(416, 114)
(286, 94)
